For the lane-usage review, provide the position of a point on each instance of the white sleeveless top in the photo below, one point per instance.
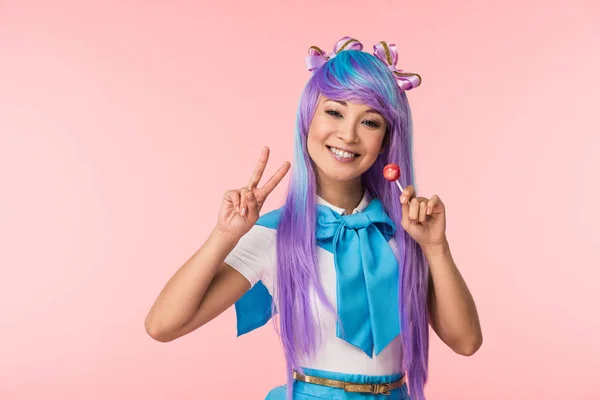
(255, 258)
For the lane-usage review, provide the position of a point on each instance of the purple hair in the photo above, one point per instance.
(359, 77)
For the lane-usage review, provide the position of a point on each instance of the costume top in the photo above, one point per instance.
(358, 269)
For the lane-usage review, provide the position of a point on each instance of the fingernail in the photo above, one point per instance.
(402, 199)
(428, 210)
(243, 211)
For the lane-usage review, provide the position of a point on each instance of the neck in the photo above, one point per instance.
(343, 194)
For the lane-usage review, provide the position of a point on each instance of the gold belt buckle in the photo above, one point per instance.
(382, 388)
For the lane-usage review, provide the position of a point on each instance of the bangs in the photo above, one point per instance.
(359, 77)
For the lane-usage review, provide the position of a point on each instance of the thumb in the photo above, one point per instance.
(405, 219)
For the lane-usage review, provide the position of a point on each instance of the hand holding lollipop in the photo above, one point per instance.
(391, 172)
(424, 219)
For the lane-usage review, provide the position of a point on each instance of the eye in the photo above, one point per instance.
(371, 123)
(333, 113)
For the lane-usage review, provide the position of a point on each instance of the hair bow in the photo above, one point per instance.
(389, 55)
(317, 57)
(384, 52)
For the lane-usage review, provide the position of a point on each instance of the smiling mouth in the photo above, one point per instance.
(342, 153)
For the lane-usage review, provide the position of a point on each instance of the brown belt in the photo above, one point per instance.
(381, 388)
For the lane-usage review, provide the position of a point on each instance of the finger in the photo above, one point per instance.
(274, 181)
(243, 192)
(234, 197)
(259, 169)
(407, 194)
(435, 201)
(422, 210)
(413, 212)
(252, 205)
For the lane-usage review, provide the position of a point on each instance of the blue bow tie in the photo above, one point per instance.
(366, 283)
(367, 274)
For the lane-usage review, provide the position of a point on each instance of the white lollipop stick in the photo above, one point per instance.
(398, 183)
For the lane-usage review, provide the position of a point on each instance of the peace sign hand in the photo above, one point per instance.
(240, 208)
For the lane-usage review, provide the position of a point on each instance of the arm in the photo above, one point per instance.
(199, 291)
(452, 311)
(205, 285)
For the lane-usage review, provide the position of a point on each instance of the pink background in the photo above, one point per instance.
(122, 123)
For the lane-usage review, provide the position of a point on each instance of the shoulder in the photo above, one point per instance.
(259, 237)
(255, 252)
(271, 219)
(264, 232)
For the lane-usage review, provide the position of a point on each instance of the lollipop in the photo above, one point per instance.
(391, 172)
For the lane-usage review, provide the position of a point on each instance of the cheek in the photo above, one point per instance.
(318, 132)
(374, 143)
(314, 142)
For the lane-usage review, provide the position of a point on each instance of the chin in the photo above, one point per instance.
(340, 176)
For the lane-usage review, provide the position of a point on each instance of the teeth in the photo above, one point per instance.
(341, 153)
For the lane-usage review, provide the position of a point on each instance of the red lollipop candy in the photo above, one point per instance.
(391, 172)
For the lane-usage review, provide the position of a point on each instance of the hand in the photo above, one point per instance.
(241, 207)
(424, 219)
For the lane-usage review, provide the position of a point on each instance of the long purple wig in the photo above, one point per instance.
(359, 77)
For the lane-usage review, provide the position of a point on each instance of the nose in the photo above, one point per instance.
(347, 132)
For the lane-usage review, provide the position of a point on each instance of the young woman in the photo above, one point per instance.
(354, 268)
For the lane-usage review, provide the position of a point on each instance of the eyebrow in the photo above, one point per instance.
(344, 104)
